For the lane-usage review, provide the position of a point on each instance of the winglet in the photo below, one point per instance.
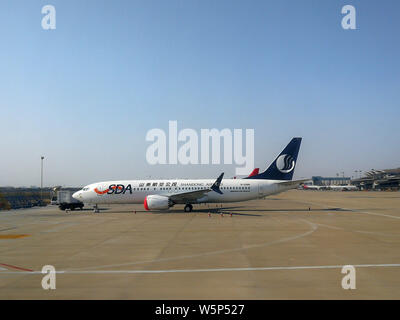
(217, 183)
(255, 172)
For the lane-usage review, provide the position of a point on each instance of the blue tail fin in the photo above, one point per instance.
(283, 166)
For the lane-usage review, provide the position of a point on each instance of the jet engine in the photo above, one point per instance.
(156, 202)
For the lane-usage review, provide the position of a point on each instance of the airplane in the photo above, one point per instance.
(343, 188)
(331, 187)
(164, 194)
(313, 187)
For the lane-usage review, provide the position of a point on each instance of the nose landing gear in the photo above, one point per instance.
(188, 208)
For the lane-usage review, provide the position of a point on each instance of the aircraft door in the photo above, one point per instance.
(261, 189)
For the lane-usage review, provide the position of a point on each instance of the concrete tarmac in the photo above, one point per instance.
(289, 246)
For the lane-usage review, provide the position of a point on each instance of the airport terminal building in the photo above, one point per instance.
(388, 179)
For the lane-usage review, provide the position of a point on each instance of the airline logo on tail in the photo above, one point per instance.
(285, 163)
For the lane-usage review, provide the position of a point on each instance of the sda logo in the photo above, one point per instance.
(115, 189)
(285, 163)
(119, 188)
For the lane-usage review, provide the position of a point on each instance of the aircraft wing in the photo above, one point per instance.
(187, 197)
(293, 182)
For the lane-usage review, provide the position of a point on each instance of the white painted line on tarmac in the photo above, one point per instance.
(387, 265)
(328, 226)
(374, 213)
(353, 210)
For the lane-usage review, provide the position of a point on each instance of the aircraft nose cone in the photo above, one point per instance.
(76, 195)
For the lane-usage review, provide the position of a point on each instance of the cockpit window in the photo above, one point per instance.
(85, 189)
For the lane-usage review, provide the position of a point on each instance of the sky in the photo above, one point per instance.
(85, 94)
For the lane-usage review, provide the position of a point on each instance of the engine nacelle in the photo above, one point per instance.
(156, 202)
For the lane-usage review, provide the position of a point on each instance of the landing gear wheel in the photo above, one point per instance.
(96, 209)
(188, 208)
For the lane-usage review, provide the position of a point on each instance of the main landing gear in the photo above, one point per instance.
(188, 208)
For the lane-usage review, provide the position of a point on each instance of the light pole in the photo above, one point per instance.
(41, 179)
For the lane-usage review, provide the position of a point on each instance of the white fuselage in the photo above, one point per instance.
(135, 191)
